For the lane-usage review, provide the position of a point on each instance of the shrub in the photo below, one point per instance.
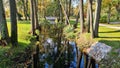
(103, 19)
(84, 41)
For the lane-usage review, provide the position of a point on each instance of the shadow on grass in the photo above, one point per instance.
(24, 22)
(111, 31)
(110, 37)
(21, 44)
(72, 22)
(113, 43)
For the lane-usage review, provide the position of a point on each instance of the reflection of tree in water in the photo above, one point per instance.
(53, 46)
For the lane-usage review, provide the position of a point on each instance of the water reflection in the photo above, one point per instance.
(73, 63)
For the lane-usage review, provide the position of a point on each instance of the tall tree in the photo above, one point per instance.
(88, 17)
(91, 18)
(109, 13)
(32, 16)
(13, 11)
(69, 11)
(3, 25)
(97, 17)
(66, 11)
(25, 8)
(77, 19)
(35, 14)
(81, 16)
(60, 11)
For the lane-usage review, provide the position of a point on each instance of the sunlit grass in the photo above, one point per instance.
(23, 42)
(110, 37)
(23, 29)
(117, 25)
(109, 33)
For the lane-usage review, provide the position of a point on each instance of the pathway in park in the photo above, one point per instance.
(108, 26)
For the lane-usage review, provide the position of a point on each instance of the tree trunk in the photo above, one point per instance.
(77, 19)
(93, 63)
(3, 25)
(32, 17)
(109, 13)
(35, 14)
(19, 16)
(13, 11)
(69, 8)
(97, 17)
(66, 11)
(91, 18)
(85, 60)
(24, 9)
(79, 60)
(81, 16)
(88, 19)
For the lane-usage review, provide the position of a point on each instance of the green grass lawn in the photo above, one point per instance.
(110, 37)
(23, 42)
(117, 25)
(23, 29)
(109, 33)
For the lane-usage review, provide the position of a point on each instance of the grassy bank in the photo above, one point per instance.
(23, 42)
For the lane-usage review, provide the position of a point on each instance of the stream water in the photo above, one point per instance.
(73, 63)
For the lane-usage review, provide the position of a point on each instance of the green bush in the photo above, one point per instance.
(103, 19)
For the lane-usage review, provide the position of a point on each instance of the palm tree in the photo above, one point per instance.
(13, 11)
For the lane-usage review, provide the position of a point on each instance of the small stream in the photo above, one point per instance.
(73, 63)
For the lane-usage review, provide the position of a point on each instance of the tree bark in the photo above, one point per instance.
(69, 8)
(109, 13)
(77, 19)
(3, 24)
(13, 11)
(81, 16)
(32, 17)
(88, 19)
(79, 60)
(97, 17)
(85, 60)
(91, 18)
(35, 14)
(66, 11)
(19, 16)
(24, 8)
